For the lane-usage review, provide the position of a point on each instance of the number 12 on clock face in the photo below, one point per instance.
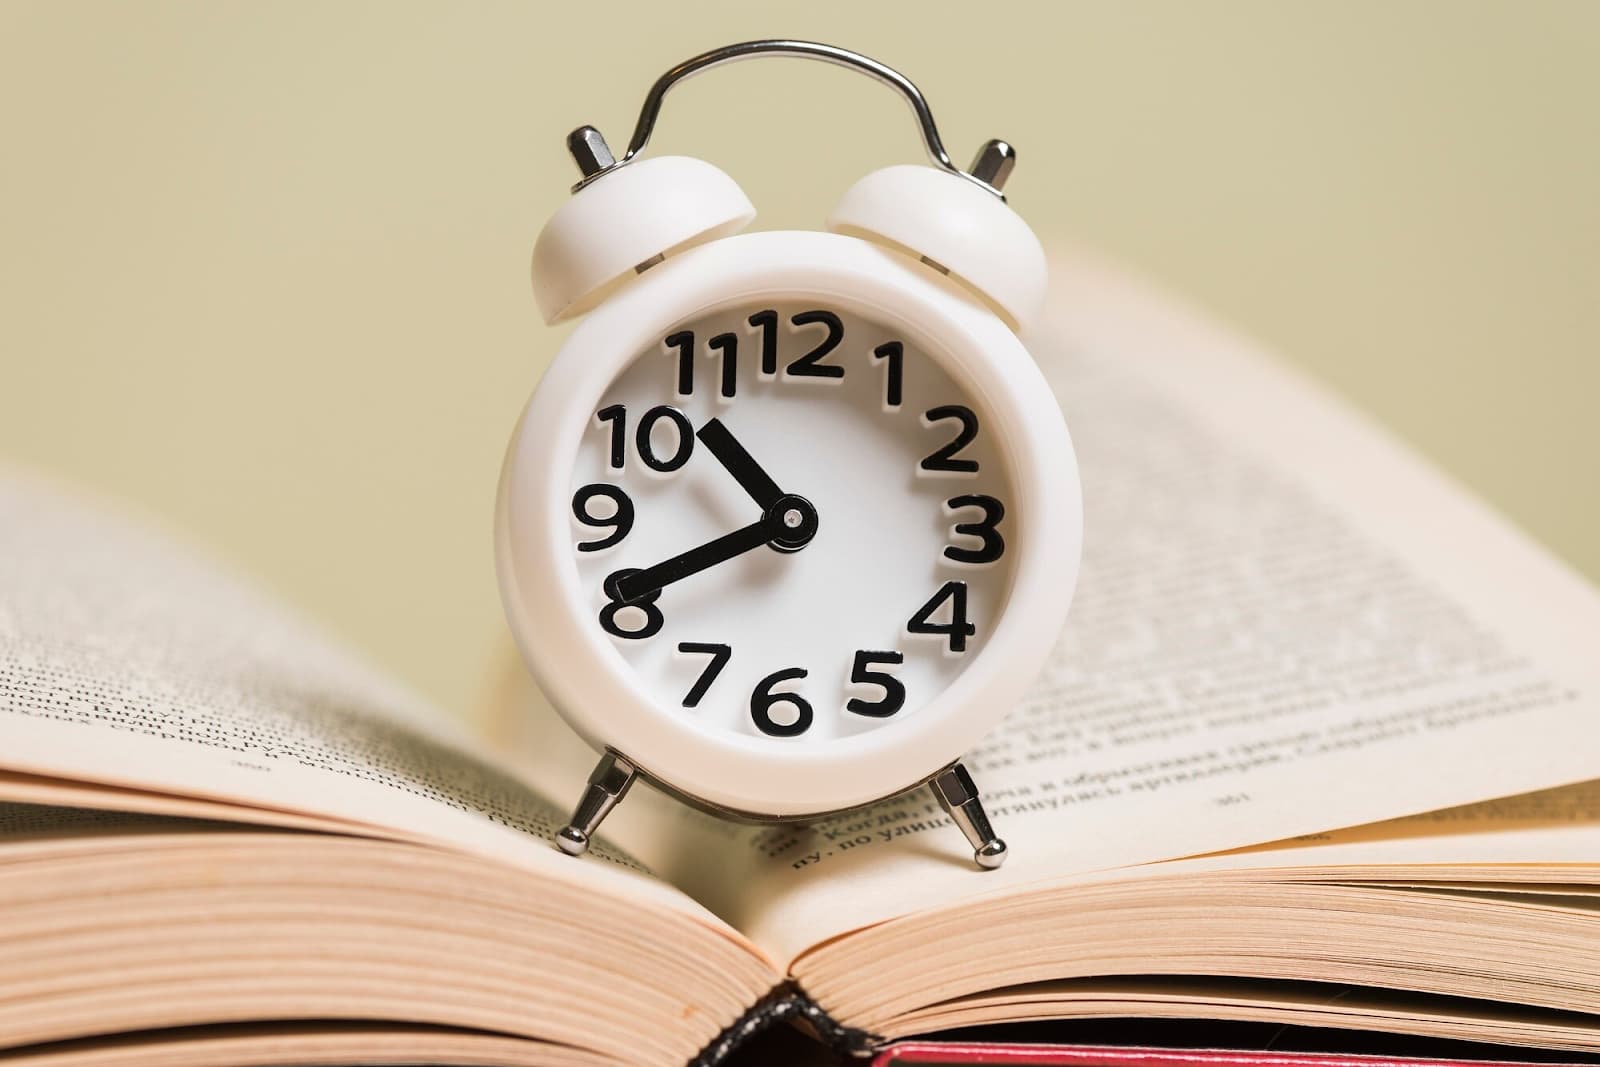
(792, 521)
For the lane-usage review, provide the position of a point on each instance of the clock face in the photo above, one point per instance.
(792, 523)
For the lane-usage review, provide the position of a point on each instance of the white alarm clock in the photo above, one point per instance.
(793, 518)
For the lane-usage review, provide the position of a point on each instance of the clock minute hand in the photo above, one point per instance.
(640, 584)
(745, 470)
(788, 526)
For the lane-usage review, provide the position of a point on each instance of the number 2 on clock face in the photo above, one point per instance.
(793, 522)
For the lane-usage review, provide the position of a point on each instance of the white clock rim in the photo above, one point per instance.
(587, 679)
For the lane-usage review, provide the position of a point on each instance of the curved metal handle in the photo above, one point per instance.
(989, 170)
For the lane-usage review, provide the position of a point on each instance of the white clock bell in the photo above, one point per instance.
(793, 518)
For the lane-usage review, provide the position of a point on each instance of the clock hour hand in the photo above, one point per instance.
(788, 526)
(745, 470)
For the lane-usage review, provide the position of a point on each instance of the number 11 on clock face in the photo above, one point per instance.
(792, 523)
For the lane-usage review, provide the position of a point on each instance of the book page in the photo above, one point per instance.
(1286, 623)
(1288, 1004)
(22, 822)
(1556, 831)
(136, 675)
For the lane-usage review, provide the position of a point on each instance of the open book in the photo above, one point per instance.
(222, 839)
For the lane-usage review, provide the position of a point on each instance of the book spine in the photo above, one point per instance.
(786, 1003)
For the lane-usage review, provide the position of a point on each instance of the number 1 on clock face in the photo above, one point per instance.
(792, 521)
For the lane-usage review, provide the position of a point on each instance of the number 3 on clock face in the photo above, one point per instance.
(792, 522)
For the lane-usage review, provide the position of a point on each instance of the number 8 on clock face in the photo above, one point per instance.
(791, 522)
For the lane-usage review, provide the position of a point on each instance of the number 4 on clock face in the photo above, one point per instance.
(950, 600)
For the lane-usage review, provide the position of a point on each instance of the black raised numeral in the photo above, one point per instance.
(720, 654)
(944, 460)
(810, 365)
(895, 353)
(617, 416)
(958, 629)
(987, 530)
(683, 341)
(645, 441)
(727, 345)
(653, 620)
(894, 690)
(762, 700)
(620, 521)
(767, 323)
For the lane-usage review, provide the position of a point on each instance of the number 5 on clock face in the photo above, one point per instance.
(792, 522)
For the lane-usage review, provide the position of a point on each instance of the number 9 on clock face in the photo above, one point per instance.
(792, 522)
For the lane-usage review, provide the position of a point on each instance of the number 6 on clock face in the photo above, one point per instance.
(791, 522)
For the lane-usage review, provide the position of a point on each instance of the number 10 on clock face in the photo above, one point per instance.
(791, 522)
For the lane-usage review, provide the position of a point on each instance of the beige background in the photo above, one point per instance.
(263, 267)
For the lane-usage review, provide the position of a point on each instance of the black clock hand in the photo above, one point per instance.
(745, 470)
(788, 526)
(641, 584)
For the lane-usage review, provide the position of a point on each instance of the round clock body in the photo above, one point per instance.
(790, 522)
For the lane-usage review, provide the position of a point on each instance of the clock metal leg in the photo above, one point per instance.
(959, 797)
(608, 784)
